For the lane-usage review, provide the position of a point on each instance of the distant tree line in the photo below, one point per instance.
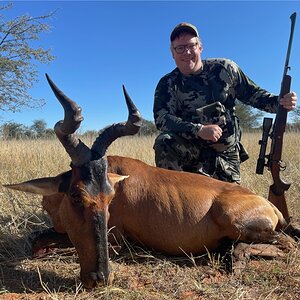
(249, 121)
(39, 130)
(13, 130)
(252, 119)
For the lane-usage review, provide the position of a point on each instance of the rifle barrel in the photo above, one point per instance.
(293, 22)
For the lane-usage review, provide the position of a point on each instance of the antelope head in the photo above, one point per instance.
(87, 189)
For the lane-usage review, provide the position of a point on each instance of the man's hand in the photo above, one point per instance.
(289, 101)
(211, 132)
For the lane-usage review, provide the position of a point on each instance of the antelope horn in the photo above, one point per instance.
(64, 129)
(111, 133)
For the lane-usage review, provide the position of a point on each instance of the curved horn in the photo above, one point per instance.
(111, 133)
(77, 150)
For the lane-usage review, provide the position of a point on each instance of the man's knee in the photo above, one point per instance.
(175, 153)
(228, 170)
(165, 154)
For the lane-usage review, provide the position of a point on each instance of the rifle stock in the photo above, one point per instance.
(279, 187)
(279, 201)
(274, 158)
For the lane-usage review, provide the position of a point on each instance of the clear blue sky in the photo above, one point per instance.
(100, 45)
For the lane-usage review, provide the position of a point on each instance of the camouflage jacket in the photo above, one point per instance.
(177, 97)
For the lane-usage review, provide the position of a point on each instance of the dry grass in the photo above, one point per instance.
(139, 274)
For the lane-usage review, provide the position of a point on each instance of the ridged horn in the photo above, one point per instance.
(111, 133)
(64, 129)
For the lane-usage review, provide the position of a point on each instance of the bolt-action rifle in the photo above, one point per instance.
(273, 161)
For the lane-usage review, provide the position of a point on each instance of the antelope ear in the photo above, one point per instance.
(115, 178)
(42, 186)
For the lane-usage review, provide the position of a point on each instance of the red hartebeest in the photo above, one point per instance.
(166, 210)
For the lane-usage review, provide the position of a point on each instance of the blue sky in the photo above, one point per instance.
(100, 45)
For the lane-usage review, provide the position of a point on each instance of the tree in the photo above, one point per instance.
(39, 128)
(148, 128)
(18, 54)
(249, 118)
(296, 115)
(49, 133)
(12, 130)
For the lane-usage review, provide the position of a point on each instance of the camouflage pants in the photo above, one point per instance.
(175, 153)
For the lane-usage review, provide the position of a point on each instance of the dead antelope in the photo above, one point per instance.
(169, 211)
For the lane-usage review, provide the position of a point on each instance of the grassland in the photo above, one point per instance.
(139, 273)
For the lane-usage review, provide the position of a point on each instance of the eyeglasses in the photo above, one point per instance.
(181, 48)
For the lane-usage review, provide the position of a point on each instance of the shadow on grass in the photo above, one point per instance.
(20, 273)
(133, 253)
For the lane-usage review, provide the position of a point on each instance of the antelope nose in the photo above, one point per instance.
(88, 281)
(94, 279)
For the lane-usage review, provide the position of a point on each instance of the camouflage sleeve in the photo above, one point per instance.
(250, 93)
(165, 111)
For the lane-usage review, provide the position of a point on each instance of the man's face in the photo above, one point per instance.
(186, 51)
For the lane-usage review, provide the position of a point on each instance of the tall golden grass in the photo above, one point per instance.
(57, 277)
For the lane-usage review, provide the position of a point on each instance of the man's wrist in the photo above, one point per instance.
(199, 128)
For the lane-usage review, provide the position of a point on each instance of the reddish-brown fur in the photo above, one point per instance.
(169, 211)
(173, 211)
